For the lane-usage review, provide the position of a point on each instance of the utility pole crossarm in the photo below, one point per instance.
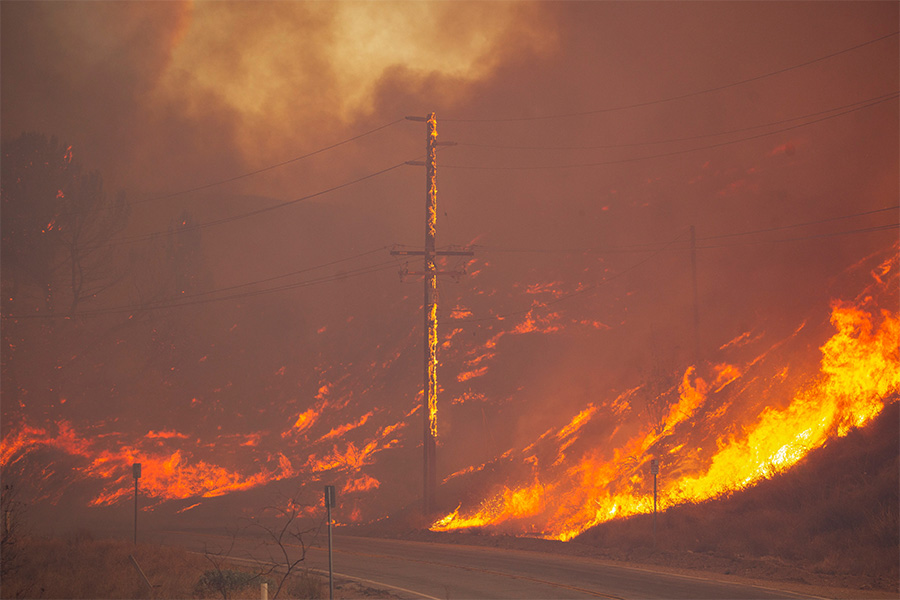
(437, 253)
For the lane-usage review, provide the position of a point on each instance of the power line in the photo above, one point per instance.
(176, 303)
(196, 299)
(806, 224)
(578, 292)
(675, 140)
(873, 229)
(219, 182)
(678, 97)
(154, 235)
(659, 251)
(676, 152)
(652, 246)
(276, 277)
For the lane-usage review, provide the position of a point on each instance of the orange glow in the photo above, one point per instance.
(164, 476)
(351, 458)
(471, 374)
(532, 324)
(304, 421)
(576, 423)
(725, 374)
(339, 431)
(166, 435)
(363, 483)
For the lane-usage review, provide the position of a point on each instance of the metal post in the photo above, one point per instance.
(429, 398)
(654, 469)
(330, 501)
(330, 562)
(141, 571)
(136, 471)
(264, 591)
(654, 506)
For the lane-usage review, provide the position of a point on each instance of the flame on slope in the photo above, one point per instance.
(339, 431)
(179, 475)
(164, 476)
(363, 483)
(859, 372)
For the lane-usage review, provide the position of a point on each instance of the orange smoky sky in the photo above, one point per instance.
(242, 83)
(590, 138)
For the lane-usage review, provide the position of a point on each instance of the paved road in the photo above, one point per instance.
(449, 571)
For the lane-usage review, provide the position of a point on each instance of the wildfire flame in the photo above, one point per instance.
(859, 374)
(751, 411)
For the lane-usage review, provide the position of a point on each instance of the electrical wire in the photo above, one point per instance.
(219, 182)
(259, 211)
(196, 299)
(652, 246)
(675, 140)
(806, 224)
(656, 253)
(674, 152)
(578, 292)
(178, 302)
(673, 98)
(276, 277)
(873, 229)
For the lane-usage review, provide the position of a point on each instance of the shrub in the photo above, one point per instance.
(224, 582)
(306, 585)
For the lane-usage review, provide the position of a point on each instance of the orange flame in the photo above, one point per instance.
(859, 373)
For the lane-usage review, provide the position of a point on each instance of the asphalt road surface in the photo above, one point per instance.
(449, 571)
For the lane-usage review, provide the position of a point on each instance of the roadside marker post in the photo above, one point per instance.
(330, 502)
(136, 471)
(654, 469)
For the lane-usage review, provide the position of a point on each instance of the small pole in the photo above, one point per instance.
(654, 505)
(141, 571)
(329, 502)
(264, 591)
(136, 470)
(654, 469)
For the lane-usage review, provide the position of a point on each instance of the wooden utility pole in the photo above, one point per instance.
(429, 396)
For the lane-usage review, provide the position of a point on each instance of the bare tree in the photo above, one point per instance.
(12, 538)
(283, 546)
(660, 385)
(219, 579)
(280, 535)
(56, 227)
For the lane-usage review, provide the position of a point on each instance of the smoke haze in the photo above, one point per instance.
(590, 138)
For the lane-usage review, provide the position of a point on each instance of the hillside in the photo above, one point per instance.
(834, 516)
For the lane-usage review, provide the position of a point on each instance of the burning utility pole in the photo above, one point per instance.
(429, 396)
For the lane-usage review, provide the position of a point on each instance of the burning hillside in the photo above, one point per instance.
(750, 413)
(755, 406)
(667, 246)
